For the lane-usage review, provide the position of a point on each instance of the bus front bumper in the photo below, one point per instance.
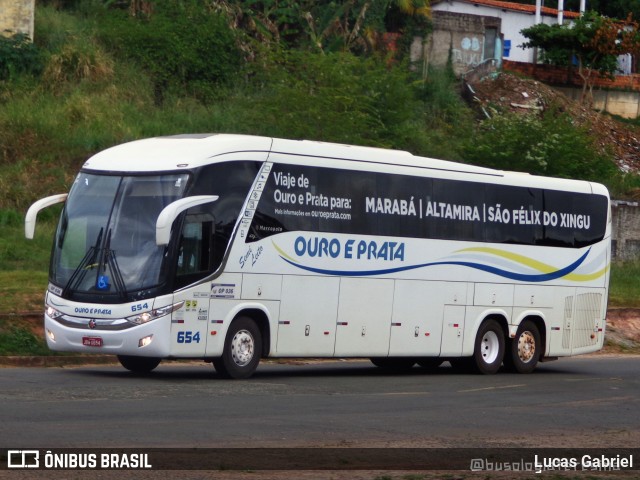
(150, 339)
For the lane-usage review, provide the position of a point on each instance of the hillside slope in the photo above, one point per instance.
(507, 92)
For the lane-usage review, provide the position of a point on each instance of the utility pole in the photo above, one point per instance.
(537, 21)
(560, 11)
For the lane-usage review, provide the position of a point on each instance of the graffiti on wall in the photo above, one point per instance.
(469, 53)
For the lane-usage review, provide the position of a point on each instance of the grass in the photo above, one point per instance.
(624, 288)
(22, 291)
(23, 264)
(20, 340)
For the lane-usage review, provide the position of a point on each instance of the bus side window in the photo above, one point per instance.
(195, 251)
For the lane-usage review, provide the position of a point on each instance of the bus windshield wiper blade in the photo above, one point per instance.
(85, 264)
(109, 259)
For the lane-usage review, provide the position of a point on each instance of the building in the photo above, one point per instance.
(464, 40)
(16, 16)
(512, 18)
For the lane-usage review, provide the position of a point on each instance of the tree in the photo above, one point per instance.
(594, 41)
(617, 8)
(324, 25)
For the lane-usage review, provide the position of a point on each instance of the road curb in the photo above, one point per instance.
(56, 361)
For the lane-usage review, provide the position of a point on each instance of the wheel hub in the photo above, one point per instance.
(242, 348)
(490, 347)
(526, 347)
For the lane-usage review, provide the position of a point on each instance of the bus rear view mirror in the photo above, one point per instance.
(32, 213)
(171, 212)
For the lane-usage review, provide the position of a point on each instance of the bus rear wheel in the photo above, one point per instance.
(242, 350)
(489, 348)
(525, 349)
(138, 364)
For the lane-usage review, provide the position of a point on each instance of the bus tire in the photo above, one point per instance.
(488, 352)
(524, 350)
(242, 350)
(138, 364)
(394, 364)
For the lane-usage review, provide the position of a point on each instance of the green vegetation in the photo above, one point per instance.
(543, 145)
(107, 74)
(182, 47)
(101, 73)
(18, 56)
(23, 264)
(18, 340)
(625, 278)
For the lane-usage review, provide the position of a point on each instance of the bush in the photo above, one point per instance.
(336, 97)
(19, 56)
(78, 61)
(543, 145)
(183, 46)
(448, 119)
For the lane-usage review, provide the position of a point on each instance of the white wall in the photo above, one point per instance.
(512, 23)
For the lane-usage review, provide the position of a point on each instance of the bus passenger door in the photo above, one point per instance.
(195, 260)
(189, 323)
(364, 317)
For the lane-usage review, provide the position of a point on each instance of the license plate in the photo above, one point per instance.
(92, 341)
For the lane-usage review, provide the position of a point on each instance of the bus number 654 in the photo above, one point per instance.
(188, 337)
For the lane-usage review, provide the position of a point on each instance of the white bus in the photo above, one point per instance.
(233, 248)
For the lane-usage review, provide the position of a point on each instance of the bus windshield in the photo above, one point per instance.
(105, 241)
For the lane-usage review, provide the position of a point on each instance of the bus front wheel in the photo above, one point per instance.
(138, 364)
(242, 350)
(525, 349)
(489, 347)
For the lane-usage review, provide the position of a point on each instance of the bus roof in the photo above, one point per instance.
(186, 151)
(161, 154)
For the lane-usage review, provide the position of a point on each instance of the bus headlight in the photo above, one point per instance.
(52, 312)
(144, 317)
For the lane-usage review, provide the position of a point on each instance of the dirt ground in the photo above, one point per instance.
(507, 92)
(623, 331)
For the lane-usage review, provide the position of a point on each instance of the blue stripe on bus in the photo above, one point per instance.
(543, 277)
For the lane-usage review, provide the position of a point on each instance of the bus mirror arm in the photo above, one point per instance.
(32, 213)
(171, 212)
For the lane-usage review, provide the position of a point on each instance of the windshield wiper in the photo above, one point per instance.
(87, 263)
(109, 259)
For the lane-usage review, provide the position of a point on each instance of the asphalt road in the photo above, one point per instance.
(577, 402)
